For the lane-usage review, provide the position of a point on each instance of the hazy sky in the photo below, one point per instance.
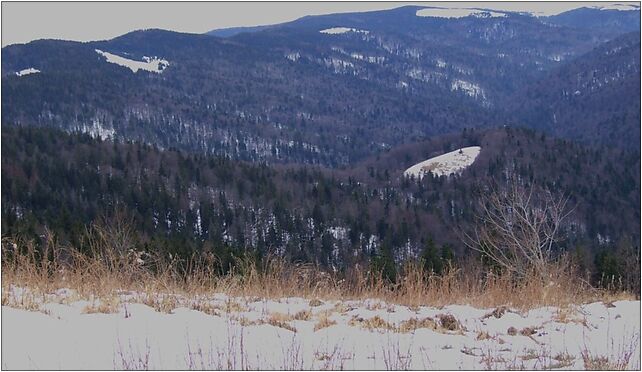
(84, 21)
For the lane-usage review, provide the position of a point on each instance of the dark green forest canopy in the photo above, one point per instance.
(185, 203)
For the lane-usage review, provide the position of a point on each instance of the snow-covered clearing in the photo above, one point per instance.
(446, 164)
(458, 13)
(220, 332)
(615, 6)
(342, 30)
(27, 71)
(148, 64)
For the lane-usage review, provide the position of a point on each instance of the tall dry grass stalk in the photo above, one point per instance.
(109, 268)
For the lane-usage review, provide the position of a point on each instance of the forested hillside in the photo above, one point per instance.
(292, 139)
(184, 203)
(594, 98)
(427, 187)
(300, 92)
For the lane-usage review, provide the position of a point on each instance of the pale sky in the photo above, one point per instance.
(85, 21)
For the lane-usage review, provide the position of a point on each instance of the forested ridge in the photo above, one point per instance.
(291, 140)
(184, 203)
(293, 94)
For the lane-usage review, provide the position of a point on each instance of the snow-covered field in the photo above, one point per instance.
(457, 13)
(149, 64)
(342, 30)
(446, 164)
(27, 71)
(219, 332)
(623, 7)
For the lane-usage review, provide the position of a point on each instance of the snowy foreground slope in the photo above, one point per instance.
(253, 333)
(446, 164)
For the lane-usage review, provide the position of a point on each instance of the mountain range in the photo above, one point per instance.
(293, 138)
(297, 93)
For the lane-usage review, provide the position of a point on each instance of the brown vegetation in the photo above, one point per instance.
(110, 267)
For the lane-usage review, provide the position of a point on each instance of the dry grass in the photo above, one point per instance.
(274, 319)
(377, 322)
(601, 363)
(324, 322)
(449, 322)
(233, 307)
(618, 358)
(569, 315)
(104, 306)
(303, 315)
(413, 324)
(164, 303)
(281, 320)
(108, 265)
(206, 308)
(562, 360)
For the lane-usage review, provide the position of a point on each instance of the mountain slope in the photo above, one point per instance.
(290, 93)
(609, 20)
(595, 98)
(184, 203)
(224, 97)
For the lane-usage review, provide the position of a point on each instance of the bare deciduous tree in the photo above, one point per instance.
(518, 227)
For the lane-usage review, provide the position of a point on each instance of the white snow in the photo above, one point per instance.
(63, 336)
(369, 59)
(338, 232)
(338, 65)
(458, 13)
(27, 71)
(98, 129)
(617, 6)
(293, 56)
(342, 30)
(446, 164)
(148, 64)
(471, 89)
(556, 57)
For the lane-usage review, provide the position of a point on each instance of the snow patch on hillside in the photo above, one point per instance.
(294, 333)
(338, 65)
(342, 30)
(458, 13)
(370, 59)
(151, 64)
(27, 71)
(98, 130)
(623, 7)
(294, 56)
(470, 89)
(446, 164)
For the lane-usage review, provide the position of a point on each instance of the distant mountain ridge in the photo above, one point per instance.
(292, 94)
(594, 98)
(612, 20)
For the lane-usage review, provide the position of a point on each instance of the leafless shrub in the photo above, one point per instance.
(617, 358)
(131, 359)
(518, 228)
(394, 358)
